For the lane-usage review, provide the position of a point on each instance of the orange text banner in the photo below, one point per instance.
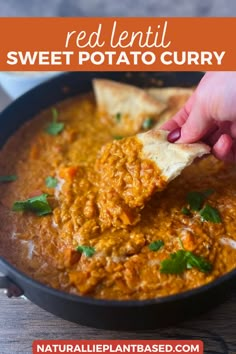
(117, 44)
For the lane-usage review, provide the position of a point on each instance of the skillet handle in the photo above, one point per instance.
(12, 290)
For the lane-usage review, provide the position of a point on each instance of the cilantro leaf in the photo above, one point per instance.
(198, 262)
(11, 178)
(87, 250)
(183, 260)
(148, 123)
(38, 205)
(118, 117)
(208, 213)
(156, 245)
(196, 199)
(176, 264)
(55, 113)
(118, 137)
(51, 182)
(185, 211)
(55, 127)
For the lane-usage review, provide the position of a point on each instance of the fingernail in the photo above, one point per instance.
(174, 135)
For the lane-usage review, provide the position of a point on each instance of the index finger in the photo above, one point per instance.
(178, 120)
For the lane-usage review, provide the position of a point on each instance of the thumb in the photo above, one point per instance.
(196, 125)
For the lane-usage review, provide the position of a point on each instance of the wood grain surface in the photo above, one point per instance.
(22, 322)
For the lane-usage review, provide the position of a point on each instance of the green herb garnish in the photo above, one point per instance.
(87, 250)
(4, 179)
(38, 205)
(176, 264)
(183, 260)
(208, 213)
(156, 245)
(51, 182)
(118, 137)
(148, 123)
(54, 128)
(185, 211)
(118, 117)
(196, 199)
(198, 262)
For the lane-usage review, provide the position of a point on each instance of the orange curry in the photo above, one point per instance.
(60, 227)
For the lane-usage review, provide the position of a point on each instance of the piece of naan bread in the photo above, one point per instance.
(173, 97)
(170, 158)
(170, 95)
(133, 104)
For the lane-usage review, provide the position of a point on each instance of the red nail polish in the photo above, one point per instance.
(174, 135)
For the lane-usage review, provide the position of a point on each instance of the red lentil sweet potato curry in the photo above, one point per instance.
(66, 226)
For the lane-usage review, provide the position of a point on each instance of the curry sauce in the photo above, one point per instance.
(92, 243)
(126, 181)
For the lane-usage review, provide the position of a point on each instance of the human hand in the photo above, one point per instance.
(210, 115)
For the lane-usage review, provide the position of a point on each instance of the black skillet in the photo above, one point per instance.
(122, 315)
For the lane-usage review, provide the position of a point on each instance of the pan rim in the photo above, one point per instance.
(112, 302)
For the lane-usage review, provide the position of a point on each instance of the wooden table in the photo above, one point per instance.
(22, 322)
